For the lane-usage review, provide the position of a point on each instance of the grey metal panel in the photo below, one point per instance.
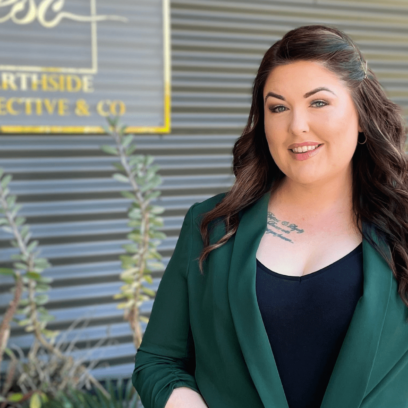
(65, 185)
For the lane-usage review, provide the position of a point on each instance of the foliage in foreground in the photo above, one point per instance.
(121, 395)
(140, 175)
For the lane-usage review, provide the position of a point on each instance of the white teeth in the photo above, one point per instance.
(303, 149)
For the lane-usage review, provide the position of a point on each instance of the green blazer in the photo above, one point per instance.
(207, 333)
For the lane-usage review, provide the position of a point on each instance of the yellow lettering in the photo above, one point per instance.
(7, 80)
(117, 108)
(63, 107)
(23, 81)
(50, 105)
(38, 107)
(87, 83)
(18, 7)
(53, 81)
(62, 83)
(32, 11)
(44, 85)
(34, 82)
(2, 106)
(9, 106)
(82, 108)
(28, 108)
(77, 83)
(100, 107)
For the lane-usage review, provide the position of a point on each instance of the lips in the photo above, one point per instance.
(307, 154)
(317, 146)
(308, 143)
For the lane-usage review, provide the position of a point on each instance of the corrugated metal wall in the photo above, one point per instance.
(74, 206)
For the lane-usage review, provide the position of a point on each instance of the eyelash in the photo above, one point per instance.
(278, 106)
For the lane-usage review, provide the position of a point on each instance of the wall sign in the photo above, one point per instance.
(68, 64)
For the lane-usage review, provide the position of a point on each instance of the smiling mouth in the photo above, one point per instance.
(311, 150)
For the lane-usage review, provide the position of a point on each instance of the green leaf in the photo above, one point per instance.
(6, 179)
(9, 352)
(125, 305)
(33, 275)
(135, 213)
(24, 322)
(19, 265)
(45, 279)
(148, 291)
(156, 221)
(11, 200)
(15, 397)
(127, 140)
(122, 129)
(44, 397)
(113, 121)
(25, 232)
(118, 166)
(32, 245)
(152, 195)
(19, 220)
(147, 186)
(42, 288)
(50, 333)
(149, 174)
(130, 150)
(23, 311)
(130, 248)
(135, 223)
(149, 160)
(156, 209)
(41, 299)
(158, 235)
(7, 272)
(136, 159)
(35, 401)
(148, 279)
(121, 178)
(110, 149)
(156, 265)
(135, 236)
(41, 263)
(128, 194)
(46, 318)
(143, 319)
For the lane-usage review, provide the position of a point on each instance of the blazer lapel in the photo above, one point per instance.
(246, 315)
(352, 370)
(355, 361)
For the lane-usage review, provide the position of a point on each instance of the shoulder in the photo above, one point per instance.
(200, 208)
(208, 204)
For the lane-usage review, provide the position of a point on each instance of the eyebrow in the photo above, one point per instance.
(306, 95)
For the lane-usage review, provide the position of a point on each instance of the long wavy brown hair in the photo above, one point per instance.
(380, 190)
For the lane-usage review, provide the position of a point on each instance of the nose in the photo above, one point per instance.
(299, 122)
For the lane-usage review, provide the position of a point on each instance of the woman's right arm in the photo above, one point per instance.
(184, 397)
(165, 360)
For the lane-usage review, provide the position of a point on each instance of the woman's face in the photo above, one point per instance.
(294, 115)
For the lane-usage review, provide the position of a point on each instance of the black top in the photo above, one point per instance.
(306, 319)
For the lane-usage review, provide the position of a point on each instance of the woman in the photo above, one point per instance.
(290, 290)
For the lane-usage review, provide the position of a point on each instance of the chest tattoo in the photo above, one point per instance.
(272, 226)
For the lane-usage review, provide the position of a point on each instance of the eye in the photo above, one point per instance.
(273, 108)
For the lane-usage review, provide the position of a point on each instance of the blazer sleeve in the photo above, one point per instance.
(165, 359)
